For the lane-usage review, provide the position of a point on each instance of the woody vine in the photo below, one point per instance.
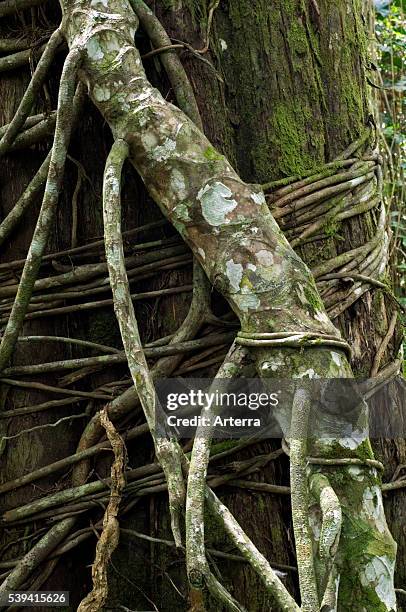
(241, 237)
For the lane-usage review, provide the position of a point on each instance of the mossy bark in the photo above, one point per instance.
(237, 242)
(294, 96)
(294, 74)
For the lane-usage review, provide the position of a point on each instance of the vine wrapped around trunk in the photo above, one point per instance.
(231, 232)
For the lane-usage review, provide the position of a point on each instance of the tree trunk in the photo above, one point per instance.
(293, 97)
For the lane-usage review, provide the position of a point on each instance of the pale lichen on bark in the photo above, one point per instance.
(168, 451)
(231, 232)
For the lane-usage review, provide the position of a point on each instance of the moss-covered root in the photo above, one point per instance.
(68, 109)
(167, 451)
(300, 502)
(196, 562)
(228, 226)
(357, 561)
(331, 522)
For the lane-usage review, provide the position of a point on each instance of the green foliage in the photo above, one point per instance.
(391, 38)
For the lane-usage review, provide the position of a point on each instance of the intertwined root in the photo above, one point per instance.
(206, 193)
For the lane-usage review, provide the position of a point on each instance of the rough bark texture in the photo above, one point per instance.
(18, 455)
(293, 97)
(294, 83)
(244, 254)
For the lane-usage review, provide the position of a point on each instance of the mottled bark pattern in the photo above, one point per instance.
(230, 230)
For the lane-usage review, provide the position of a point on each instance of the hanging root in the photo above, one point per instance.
(111, 529)
(330, 532)
(167, 451)
(31, 92)
(300, 501)
(170, 61)
(221, 594)
(68, 108)
(197, 566)
(384, 345)
(258, 562)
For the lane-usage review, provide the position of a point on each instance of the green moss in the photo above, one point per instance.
(313, 298)
(352, 93)
(213, 155)
(378, 306)
(364, 450)
(261, 503)
(359, 543)
(362, 599)
(289, 123)
(297, 38)
(215, 533)
(332, 227)
(220, 447)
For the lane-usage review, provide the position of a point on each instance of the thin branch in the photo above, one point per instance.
(213, 5)
(10, 414)
(43, 387)
(31, 92)
(75, 341)
(384, 345)
(68, 106)
(71, 417)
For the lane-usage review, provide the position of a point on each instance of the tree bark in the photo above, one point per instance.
(294, 100)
